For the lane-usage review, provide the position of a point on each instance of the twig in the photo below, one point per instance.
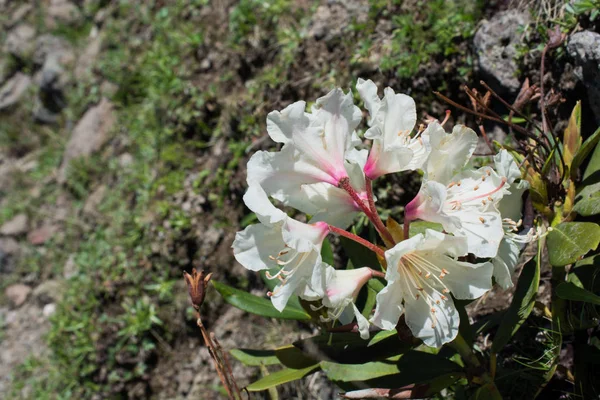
(373, 247)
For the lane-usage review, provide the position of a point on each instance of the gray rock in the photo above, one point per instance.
(9, 252)
(584, 48)
(70, 268)
(89, 135)
(20, 41)
(496, 47)
(15, 226)
(4, 69)
(50, 45)
(88, 57)
(13, 90)
(18, 15)
(48, 292)
(62, 12)
(49, 310)
(17, 294)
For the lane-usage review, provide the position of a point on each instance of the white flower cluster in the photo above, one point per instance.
(321, 172)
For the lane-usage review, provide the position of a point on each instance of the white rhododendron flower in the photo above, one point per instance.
(342, 288)
(282, 242)
(391, 122)
(318, 151)
(463, 201)
(422, 272)
(510, 208)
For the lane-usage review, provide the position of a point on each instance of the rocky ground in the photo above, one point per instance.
(124, 131)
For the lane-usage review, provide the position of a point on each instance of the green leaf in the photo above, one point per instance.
(293, 357)
(568, 241)
(327, 252)
(281, 377)
(379, 336)
(257, 305)
(421, 226)
(572, 135)
(594, 165)
(359, 255)
(350, 348)
(522, 303)
(585, 149)
(394, 372)
(255, 358)
(569, 291)
(587, 201)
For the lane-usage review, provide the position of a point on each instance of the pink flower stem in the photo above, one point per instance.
(386, 235)
(377, 274)
(344, 183)
(406, 226)
(374, 248)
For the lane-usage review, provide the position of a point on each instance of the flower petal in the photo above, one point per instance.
(368, 92)
(483, 230)
(283, 125)
(436, 327)
(389, 306)
(505, 262)
(449, 152)
(465, 280)
(254, 246)
(257, 201)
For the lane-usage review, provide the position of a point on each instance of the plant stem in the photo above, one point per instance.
(344, 184)
(374, 248)
(387, 236)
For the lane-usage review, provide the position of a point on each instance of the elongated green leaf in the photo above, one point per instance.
(585, 149)
(569, 291)
(379, 336)
(358, 372)
(293, 357)
(394, 372)
(255, 358)
(593, 166)
(572, 136)
(350, 348)
(522, 303)
(281, 377)
(587, 201)
(569, 241)
(257, 305)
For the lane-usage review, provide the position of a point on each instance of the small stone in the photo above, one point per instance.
(87, 59)
(94, 200)
(16, 226)
(13, 90)
(20, 41)
(108, 89)
(48, 292)
(584, 48)
(89, 135)
(9, 246)
(49, 309)
(19, 14)
(70, 268)
(496, 47)
(125, 160)
(62, 12)
(17, 294)
(41, 235)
